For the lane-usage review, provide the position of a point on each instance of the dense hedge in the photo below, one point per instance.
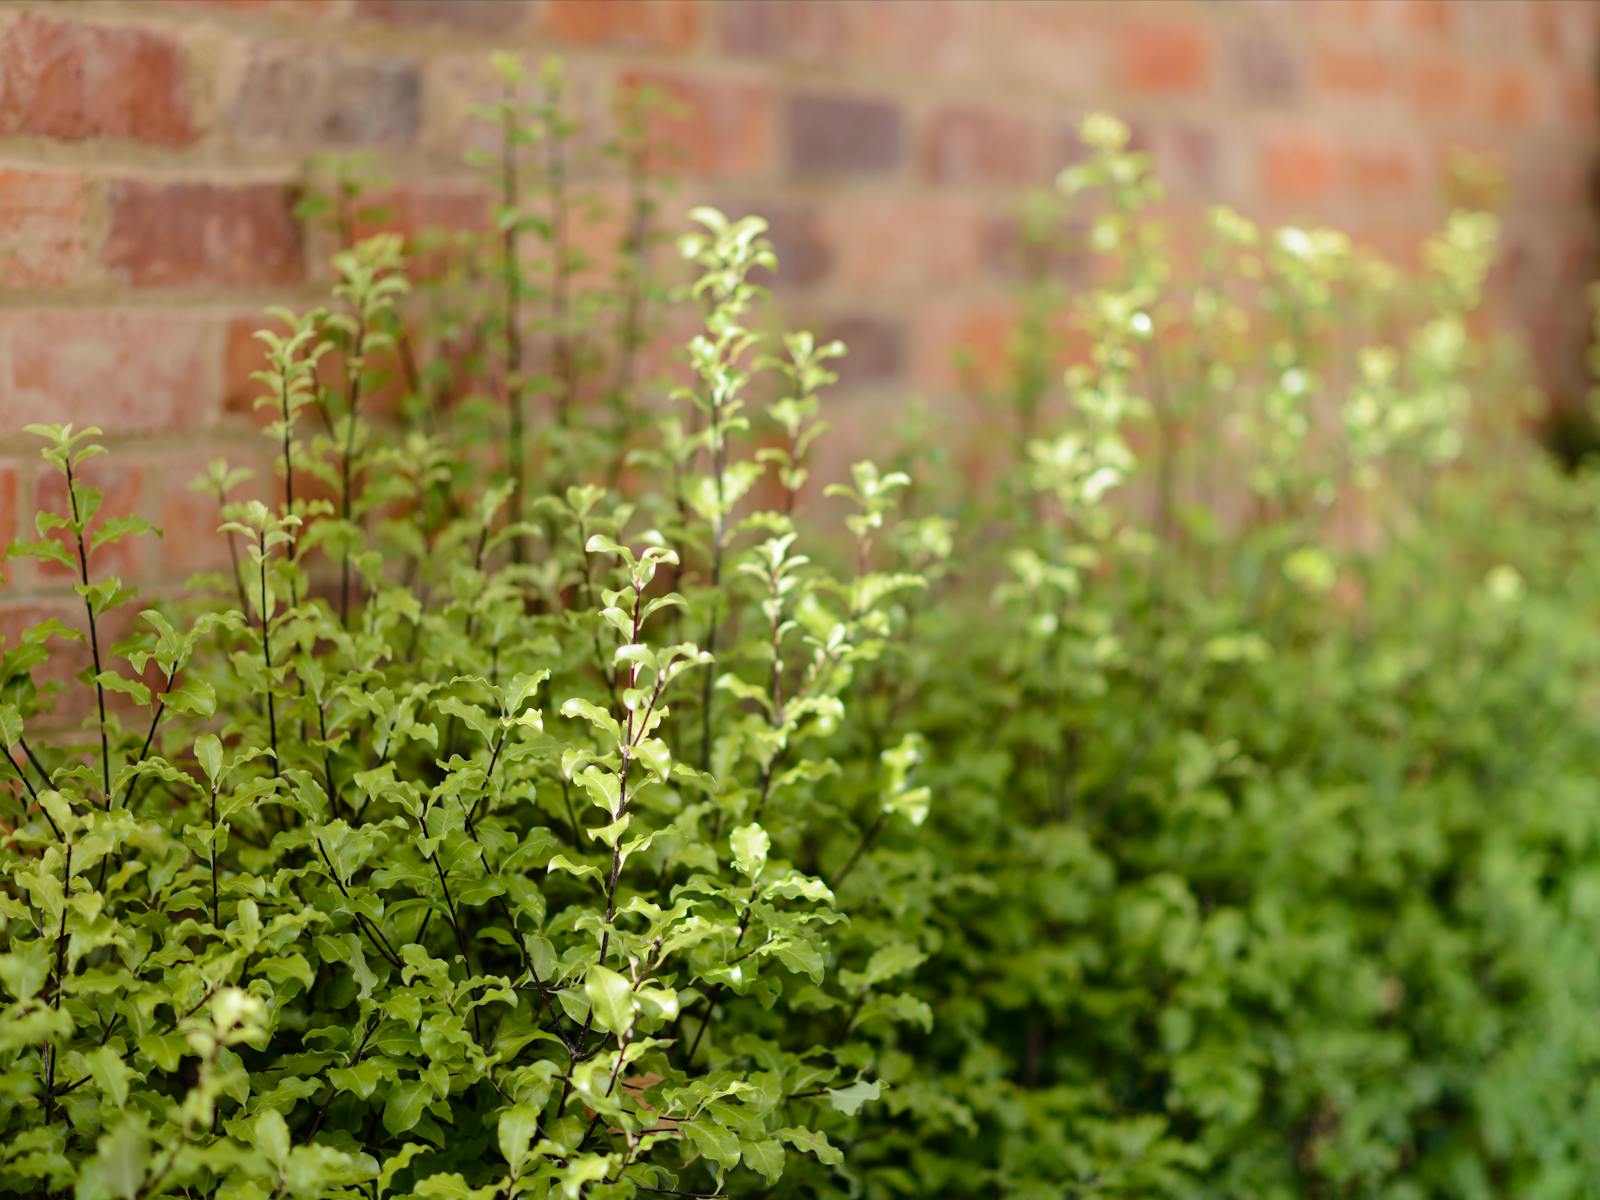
(554, 801)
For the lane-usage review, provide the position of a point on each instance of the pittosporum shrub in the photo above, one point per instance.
(481, 833)
(1261, 737)
(546, 804)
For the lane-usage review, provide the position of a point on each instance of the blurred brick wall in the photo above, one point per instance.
(148, 151)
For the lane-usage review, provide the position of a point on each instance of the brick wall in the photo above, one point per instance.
(149, 151)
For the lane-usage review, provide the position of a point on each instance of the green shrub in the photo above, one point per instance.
(548, 804)
(481, 836)
(1271, 840)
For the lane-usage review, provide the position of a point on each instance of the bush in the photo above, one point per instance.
(481, 835)
(548, 804)
(1269, 838)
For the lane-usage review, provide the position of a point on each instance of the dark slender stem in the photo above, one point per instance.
(266, 656)
(57, 986)
(94, 635)
(380, 942)
(346, 497)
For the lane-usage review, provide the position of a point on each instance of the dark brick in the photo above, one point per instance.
(964, 144)
(1008, 254)
(1268, 73)
(202, 234)
(804, 256)
(316, 97)
(799, 30)
(472, 16)
(836, 135)
(877, 349)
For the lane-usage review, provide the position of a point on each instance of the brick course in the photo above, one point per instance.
(150, 151)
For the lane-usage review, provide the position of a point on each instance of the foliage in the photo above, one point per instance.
(548, 802)
(1264, 790)
(481, 835)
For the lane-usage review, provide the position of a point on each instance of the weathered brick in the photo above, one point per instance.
(966, 144)
(903, 245)
(715, 127)
(10, 483)
(1382, 170)
(1511, 97)
(961, 345)
(1267, 70)
(202, 234)
(1355, 69)
(43, 239)
(1189, 157)
(876, 348)
(301, 96)
(1301, 168)
(71, 80)
(659, 24)
(189, 518)
(805, 251)
(1008, 254)
(1439, 85)
(242, 355)
(1434, 17)
(1165, 57)
(471, 16)
(796, 30)
(127, 372)
(831, 135)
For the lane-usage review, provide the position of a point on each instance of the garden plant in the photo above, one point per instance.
(1192, 793)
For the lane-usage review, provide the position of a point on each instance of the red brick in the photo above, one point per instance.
(202, 234)
(70, 80)
(42, 233)
(1440, 85)
(1160, 57)
(659, 24)
(964, 144)
(1302, 168)
(962, 346)
(300, 96)
(121, 484)
(9, 483)
(1357, 69)
(189, 519)
(835, 135)
(1580, 100)
(941, 40)
(126, 372)
(242, 354)
(469, 16)
(903, 245)
(1511, 99)
(1434, 17)
(717, 127)
(796, 30)
(1378, 170)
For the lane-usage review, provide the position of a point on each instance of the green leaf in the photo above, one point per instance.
(750, 845)
(610, 998)
(849, 1100)
(208, 753)
(405, 1105)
